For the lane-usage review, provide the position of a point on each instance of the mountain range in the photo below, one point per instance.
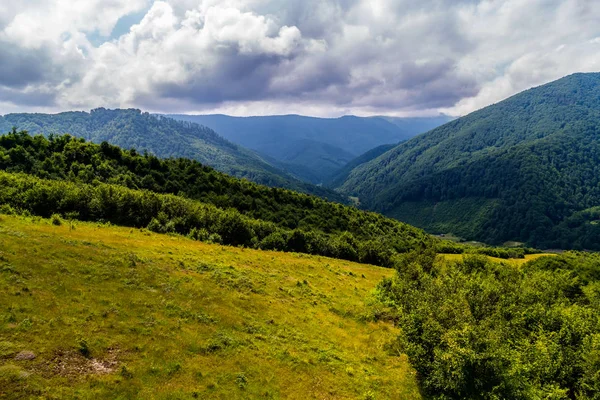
(314, 149)
(526, 169)
(163, 137)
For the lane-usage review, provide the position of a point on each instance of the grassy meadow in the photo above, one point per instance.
(96, 311)
(517, 262)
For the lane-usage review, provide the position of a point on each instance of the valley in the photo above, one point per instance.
(314, 149)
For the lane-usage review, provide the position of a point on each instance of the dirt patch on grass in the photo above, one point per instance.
(71, 363)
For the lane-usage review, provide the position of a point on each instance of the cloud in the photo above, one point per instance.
(402, 57)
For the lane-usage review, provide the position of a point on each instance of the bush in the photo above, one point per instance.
(199, 234)
(7, 209)
(275, 241)
(448, 247)
(343, 246)
(56, 219)
(215, 238)
(376, 252)
(84, 348)
(234, 229)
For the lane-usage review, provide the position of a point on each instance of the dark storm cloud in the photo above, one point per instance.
(19, 67)
(236, 78)
(28, 99)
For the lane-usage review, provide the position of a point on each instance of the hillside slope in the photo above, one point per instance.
(314, 148)
(93, 182)
(163, 137)
(92, 311)
(525, 169)
(342, 174)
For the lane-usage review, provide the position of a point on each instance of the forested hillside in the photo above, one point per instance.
(313, 148)
(525, 169)
(341, 175)
(163, 137)
(94, 182)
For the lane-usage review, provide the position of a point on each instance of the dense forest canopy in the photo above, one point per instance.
(476, 329)
(525, 169)
(163, 137)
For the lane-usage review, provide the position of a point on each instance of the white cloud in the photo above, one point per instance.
(304, 56)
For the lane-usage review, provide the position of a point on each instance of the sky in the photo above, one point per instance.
(312, 57)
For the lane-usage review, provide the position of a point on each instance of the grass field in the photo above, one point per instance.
(116, 313)
(512, 261)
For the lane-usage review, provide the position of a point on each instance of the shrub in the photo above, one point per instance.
(172, 214)
(199, 234)
(215, 238)
(274, 241)
(343, 246)
(7, 209)
(55, 219)
(83, 348)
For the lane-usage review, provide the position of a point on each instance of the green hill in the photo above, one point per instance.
(94, 182)
(96, 312)
(525, 169)
(163, 137)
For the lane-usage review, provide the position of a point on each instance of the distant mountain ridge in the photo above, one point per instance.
(525, 169)
(311, 148)
(417, 124)
(164, 137)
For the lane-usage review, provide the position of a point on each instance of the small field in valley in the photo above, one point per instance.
(511, 261)
(94, 311)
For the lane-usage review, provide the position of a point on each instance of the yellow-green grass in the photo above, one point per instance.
(116, 313)
(512, 261)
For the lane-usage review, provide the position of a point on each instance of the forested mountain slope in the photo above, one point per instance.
(164, 137)
(341, 175)
(525, 169)
(313, 148)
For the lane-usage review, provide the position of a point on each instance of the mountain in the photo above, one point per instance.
(525, 169)
(313, 148)
(341, 175)
(164, 137)
(308, 160)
